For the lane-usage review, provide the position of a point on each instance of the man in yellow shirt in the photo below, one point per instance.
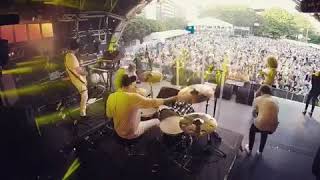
(124, 107)
(77, 76)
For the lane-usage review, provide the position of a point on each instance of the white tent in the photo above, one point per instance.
(162, 36)
(209, 23)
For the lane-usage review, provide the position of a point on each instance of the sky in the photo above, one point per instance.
(193, 6)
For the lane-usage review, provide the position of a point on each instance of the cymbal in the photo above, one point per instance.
(151, 76)
(207, 124)
(196, 93)
(171, 125)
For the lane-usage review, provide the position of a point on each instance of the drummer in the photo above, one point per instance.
(131, 72)
(123, 107)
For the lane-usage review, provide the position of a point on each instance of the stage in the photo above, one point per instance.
(288, 153)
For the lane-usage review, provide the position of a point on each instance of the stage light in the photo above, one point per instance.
(20, 31)
(7, 33)
(32, 89)
(74, 166)
(32, 68)
(34, 32)
(34, 61)
(65, 3)
(47, 30)
(56, 116)
(23, 70)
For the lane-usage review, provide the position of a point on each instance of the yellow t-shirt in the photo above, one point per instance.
(71, 64)
(269, 76)
(124, 107)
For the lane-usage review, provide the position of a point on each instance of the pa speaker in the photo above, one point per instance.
(227, 91)
(242, 95)
(4, 52)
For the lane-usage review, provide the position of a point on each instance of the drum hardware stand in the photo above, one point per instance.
(183, 159)
(151, 89)
(208, 147)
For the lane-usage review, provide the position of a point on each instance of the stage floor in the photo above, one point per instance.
(289, 151)
(288, 154)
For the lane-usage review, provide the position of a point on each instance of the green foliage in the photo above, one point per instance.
(236, 15)
(139, 27)
(174, 23)
(274, 22)
(279, 22)
(314, 38)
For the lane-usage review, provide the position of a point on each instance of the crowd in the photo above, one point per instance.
(296, 62)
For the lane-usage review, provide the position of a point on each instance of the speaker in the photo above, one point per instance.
(9, 19)
(227, 91)
(4, 52)
(242, 95)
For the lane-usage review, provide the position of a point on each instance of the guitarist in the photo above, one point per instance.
(77, 76)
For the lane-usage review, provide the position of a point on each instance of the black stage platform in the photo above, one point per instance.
(101, 157)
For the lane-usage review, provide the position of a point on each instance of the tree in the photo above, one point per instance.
(174, 23)
(278, 22)
(236, 15)
(139, 27)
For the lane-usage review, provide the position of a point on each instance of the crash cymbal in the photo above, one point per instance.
(171, 125)
(206, 123)
(196, 93)
(151, 76)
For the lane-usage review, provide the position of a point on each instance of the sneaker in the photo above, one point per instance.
(259, 153)
(304, 112)
(310, 114)
(84, 118)
(246, 148)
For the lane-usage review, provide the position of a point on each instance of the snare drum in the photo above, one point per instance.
(147, 114)
(172, 135)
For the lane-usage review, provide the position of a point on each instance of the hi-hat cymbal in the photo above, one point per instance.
(171, 125)
(151, 76)
(196, 93)
(207, 124)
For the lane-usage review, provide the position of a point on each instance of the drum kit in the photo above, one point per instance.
(181, 127)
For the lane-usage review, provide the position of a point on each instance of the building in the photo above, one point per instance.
(150, 11)
(166, 9)
(162, 9)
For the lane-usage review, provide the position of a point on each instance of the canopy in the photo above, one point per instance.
(162, 36)
(208, 21)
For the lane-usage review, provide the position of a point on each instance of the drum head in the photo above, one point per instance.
(148, 112)
(171, 125)
(195, 93)
(95, 78)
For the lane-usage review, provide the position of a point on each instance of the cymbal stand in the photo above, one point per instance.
(151, 89)
(208, 147)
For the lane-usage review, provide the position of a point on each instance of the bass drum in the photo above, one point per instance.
(96, 78)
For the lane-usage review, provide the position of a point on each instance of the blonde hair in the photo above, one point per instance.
(272, 62)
